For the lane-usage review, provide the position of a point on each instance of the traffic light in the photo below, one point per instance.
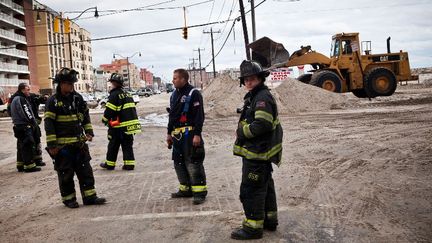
(56, 26)
(66, 25)
(185, 33)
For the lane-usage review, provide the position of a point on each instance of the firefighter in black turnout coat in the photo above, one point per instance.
(259, 143)
(68, 127)
(26, 129)
(121, 117)
(186, 119)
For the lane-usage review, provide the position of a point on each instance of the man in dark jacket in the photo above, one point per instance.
(26, 129)
(36, 101)
(259, 143)
(121, 117)
(186, 119)
(68, 127)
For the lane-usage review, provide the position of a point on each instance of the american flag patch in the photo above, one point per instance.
(261, 104)
(196, 103)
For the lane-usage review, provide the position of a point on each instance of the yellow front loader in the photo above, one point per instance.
(346, 70)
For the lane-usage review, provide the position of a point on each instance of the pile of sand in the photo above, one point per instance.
(295, 97)
(223, 96)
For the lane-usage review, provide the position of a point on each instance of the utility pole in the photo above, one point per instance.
(200, 68)
(252, 2)
(129, 79)
(212, 43)
(193, 69)
(245, 33)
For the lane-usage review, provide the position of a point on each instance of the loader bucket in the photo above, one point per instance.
(268, 53)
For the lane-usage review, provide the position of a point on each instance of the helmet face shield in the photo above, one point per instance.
(66, 75)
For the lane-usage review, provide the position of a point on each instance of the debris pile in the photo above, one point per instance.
(223, 96)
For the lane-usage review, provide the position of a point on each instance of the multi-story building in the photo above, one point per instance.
(14, 60)
(125, 68)
(146, 76)
(51, 51)
(48, 54)
(101, 78)
(79, 55)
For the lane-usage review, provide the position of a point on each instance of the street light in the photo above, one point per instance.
(127, 63)
(96, 14)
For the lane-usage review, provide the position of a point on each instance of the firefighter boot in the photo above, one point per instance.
(33, 169)
(246, 234)
(94, 201)
(128, 167)
(40, 163)
(71, 203)
(181, 194)
(105, 166)
(270, 226)
(198, 200)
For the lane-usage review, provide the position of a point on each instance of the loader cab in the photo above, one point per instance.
(344, 44)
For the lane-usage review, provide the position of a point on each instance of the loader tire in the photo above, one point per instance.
(305, 78)
(327, 80)
(360, 93)
(380, 82)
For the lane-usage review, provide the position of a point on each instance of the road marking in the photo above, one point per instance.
(156, 216)
(170, 215)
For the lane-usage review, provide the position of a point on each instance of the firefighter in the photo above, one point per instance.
(259, 143)
(186, 118)
(121, 117)
(26, 129)
(36, 101)
(68, 127)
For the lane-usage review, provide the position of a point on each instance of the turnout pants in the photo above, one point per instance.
(25, 146)
(188, 164)
(257, 194)
(37, 156)
(71, 160)
(116, 138)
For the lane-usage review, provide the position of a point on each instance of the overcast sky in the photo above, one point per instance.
(304, 22)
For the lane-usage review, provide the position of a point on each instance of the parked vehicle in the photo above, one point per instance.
(103, 101)
(146, 92)
(3, 110)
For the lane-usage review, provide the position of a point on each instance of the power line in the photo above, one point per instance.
(124, 36)
(231, 30)
(223, 45)
(145, 8)
(234, 4)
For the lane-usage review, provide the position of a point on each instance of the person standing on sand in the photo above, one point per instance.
(259, 143)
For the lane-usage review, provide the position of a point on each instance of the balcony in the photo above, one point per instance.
(13, 6)
(11, 36)
(13, 52)
(12, 81)
(13, 68)
(11, 21)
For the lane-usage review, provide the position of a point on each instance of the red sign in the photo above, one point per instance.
(281, 74)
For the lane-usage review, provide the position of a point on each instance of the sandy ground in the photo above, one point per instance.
(360, 172)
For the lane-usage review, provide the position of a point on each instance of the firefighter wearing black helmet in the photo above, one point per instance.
(68, 127)
(259, 143)
(121, 117)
